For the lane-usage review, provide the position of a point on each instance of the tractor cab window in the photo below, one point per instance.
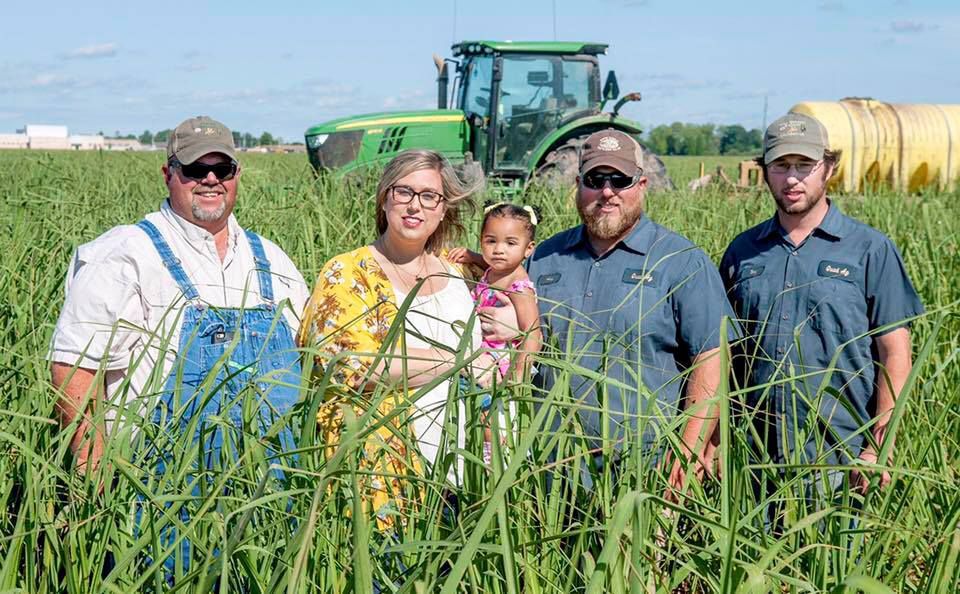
(536, 94)
(476, 86)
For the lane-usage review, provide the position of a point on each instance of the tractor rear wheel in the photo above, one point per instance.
(559, 167)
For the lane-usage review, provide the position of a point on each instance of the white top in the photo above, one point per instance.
(441, 316)
(121, 302)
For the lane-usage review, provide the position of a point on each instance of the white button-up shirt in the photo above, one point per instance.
(122, 308)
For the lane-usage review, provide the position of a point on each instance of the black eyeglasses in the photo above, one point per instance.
(596, 180)
(198, 171)
(428, 198)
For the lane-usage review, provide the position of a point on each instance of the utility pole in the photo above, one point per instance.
(764, 127)
(554, 20)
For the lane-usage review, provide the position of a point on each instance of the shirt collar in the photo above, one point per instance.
(197, 236)
(639, 240)
(832, 224)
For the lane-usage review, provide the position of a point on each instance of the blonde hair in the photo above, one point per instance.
(458, 190)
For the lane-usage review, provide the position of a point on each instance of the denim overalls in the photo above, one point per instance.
(254, 357)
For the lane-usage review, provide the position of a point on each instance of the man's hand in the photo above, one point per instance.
(698, 432)
(860, 479)
(677, 480)
(499, 322)
(81, 392)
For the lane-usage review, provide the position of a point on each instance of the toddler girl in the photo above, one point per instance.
(506, 240)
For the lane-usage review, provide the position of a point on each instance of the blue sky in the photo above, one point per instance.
(282, 66)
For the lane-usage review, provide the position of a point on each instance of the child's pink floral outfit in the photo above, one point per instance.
(484, 295)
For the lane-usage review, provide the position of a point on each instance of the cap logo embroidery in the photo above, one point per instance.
(792, 128)
(608, 143)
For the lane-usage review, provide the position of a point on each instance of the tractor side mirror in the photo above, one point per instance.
(611, 88)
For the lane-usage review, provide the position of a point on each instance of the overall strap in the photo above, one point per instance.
(169, 260)
(263, 266)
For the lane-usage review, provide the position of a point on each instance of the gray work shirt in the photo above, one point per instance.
(638, 315)
(802, 305)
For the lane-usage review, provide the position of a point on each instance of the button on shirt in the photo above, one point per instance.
(121, 302)
(801, 305)
(638, 315)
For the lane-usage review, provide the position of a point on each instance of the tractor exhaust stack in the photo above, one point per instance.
(443, 79)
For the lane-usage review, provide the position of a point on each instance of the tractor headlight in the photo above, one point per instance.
(335, 149)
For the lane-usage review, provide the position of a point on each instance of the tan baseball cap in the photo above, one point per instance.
(612, 148)
(794, 134)
(199, 136)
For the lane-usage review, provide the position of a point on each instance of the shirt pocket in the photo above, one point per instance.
(642, 316)
(752, 294)
(836, 307)
(552, 301)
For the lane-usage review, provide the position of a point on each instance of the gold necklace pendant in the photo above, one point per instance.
(401, 273)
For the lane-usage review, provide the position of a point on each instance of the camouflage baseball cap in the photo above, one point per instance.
(794, 134)
(612, 148)
(199, 136)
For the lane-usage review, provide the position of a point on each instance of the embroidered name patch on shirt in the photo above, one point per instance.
(636, 275)
(750, 271)
(548, 279)
(836, 270)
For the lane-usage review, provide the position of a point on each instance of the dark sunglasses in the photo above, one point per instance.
(198, 171)
(595, 180)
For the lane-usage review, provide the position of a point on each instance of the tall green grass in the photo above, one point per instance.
(527, 523)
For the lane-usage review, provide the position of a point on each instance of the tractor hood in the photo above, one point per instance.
(370, 139)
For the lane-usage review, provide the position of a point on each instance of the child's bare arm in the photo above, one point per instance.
(528, 319)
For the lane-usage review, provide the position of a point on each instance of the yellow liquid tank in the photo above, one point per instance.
(902, 146)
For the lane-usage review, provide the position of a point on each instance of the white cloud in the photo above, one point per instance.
(668, 84)
(830, 6)
(100, 50)
(745, 95)
(49, 79)
(910, 27)
(409, 100)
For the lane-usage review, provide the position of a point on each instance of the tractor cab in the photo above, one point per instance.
(516, 94)
(517, 110)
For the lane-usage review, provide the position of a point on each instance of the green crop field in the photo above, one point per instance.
(515, 530)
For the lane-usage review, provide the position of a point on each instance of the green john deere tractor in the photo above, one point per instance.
(522, 110)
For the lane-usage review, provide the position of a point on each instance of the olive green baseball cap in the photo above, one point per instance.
(794, 134)
(199, 136)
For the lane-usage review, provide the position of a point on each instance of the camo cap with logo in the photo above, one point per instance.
(794, 134)
(198, 136)
(611, 148)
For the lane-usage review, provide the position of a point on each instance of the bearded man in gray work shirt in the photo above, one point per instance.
(812, 284)
(634, 302)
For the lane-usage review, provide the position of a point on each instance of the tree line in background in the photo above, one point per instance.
(704, 139)
(673, 139)
(241, 139)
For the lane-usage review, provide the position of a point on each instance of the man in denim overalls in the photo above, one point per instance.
(180, 324)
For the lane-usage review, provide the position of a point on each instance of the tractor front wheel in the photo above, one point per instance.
(560, 167)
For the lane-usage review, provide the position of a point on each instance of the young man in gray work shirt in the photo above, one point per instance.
(811, 283)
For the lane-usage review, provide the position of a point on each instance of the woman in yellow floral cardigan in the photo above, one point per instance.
(420, 203)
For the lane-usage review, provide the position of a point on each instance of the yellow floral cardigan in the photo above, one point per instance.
(351, 310)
